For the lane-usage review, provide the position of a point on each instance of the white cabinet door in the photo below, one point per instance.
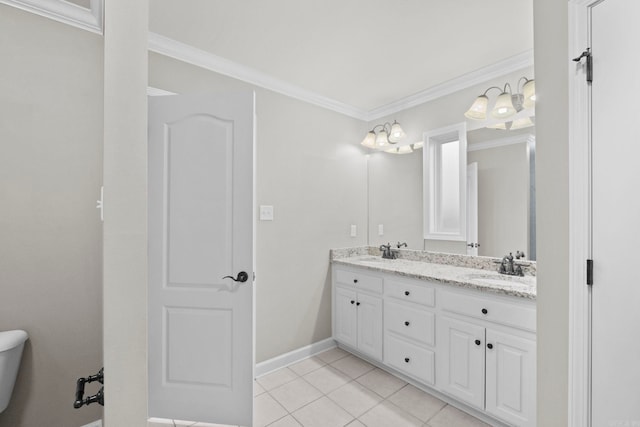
(460, 367)
(370, 325)
(345, 327)
(511, 378)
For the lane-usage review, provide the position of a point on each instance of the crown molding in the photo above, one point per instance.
(502, 142)
(479, 76)
(65, 12)
(189, 54)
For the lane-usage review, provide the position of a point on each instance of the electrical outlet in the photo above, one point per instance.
(354, 230)
(266, 213)
(380, 230)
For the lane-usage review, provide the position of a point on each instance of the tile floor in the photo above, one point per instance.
(336, 389)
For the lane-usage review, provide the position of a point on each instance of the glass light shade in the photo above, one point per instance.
(418, 145)
(478, 110)
(499, 126)
(405, 149)
(504, 107)
(521, 123)
(396, 133)
(529, 90)
(381, 139)
(369, 141)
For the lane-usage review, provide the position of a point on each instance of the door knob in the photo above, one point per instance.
(242, 277)
(477, 342)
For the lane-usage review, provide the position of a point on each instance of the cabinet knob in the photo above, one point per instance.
(406, 360)
(489, 346)
(407, 293)
(358, 303)
(477, 342)
(355, 280)
(352, 301)
(406, 323)
(484, 311)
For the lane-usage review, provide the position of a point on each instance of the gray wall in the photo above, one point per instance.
(552, 186)
(51, 172)
(312, 170)
(503, 199)
(395, 198)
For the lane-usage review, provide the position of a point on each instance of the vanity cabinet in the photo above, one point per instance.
(487, 362)
(476, 347)
(357, 311)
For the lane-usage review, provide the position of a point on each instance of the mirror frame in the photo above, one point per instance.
(433, 141)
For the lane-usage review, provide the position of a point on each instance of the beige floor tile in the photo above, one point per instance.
(307, 365)
(452, 417)
(381, 382)
(322, 413)
(416, 402)
(276, 378)
(352, 366)
(355, 398)
(295, 394)
(332, 355)
(356, 423)
(327, 379)
(387, 414)
(287, 421)
(257, 389)
(266, 410)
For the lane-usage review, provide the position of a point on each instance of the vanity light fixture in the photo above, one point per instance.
(507, 104)
(388, 134)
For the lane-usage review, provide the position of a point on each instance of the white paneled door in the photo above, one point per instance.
(201, 216)
(615, 214)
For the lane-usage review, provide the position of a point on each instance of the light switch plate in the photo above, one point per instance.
(266, 213)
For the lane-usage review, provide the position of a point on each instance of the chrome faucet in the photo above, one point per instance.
(387, 253)
(507, 266)
(399, 245)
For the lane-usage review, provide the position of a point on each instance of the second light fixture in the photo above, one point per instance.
(387, 135)
(507, 103)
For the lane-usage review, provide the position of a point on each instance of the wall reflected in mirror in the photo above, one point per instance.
(506, 195)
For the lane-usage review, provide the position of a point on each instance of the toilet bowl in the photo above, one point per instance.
(11, 345)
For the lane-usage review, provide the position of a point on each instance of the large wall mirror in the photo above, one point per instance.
(505, 196)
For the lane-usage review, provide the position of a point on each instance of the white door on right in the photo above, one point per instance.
(615, 34)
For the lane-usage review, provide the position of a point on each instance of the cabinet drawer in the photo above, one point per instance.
(514, 314)
(410, 322)
(415, 361)
(359, 280)
(412, 292)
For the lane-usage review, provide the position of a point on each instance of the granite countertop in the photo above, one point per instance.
(465, 277)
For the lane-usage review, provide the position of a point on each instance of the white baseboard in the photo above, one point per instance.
(94, 424)
(294, 356)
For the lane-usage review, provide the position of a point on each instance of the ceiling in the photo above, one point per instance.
(363, 53)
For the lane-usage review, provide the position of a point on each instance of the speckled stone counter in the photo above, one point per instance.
(474, 273)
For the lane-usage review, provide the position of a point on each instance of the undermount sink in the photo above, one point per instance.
(499, 280)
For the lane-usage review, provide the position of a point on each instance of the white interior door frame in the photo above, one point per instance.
(579, 411)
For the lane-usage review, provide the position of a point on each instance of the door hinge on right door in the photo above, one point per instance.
(590, 272)
(589, 64)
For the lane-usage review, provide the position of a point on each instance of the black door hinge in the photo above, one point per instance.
(587, 54)
(590, 272)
